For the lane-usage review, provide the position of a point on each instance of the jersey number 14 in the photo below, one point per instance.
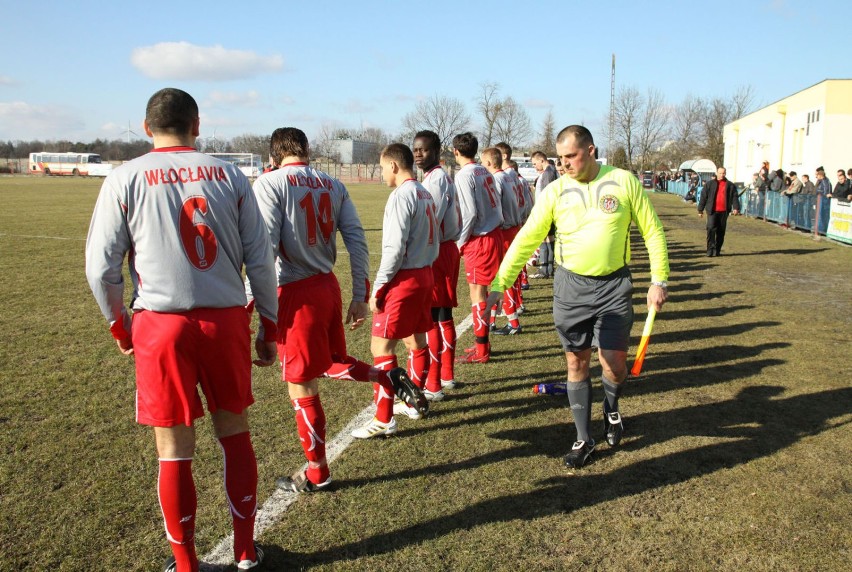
(317, 217)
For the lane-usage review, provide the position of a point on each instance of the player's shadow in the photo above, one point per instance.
(706, 312)
(675, 297)
(753, 425)
(794, 251)
(714, 333)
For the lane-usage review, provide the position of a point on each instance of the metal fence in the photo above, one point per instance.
(798, 211)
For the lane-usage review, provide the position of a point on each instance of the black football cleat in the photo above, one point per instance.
(580, 454)
(407, 391)
(613, 426)
(507, 330)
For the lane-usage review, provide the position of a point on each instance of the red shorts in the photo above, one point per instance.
(482, 255)
(445, 272)
(509, 235)
(404, 305)
(210, 347)
(310, 327)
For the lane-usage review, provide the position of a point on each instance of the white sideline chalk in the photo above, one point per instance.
(277, 504)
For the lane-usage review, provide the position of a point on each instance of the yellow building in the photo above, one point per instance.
(798, 133)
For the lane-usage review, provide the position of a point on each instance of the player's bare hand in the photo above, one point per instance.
(125, 346)
(267, 353)
(657, 296)
(735, 212)
(492, 301)
(700, 214)
(357, 314)
(374, 304)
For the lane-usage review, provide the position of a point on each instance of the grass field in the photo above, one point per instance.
(735, 457)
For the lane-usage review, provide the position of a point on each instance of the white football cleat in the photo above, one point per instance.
(375, 428)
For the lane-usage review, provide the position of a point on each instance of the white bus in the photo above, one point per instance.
(77, 164)
(251, 164)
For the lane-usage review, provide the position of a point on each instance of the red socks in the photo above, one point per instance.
(433, 339)
(350, 369)
(383, 395)
(418, 366)
(310, 422)
(176, 490)
(480, 328)
(448, 351)
(241, 489)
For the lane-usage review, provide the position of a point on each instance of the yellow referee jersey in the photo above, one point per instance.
(592, 227)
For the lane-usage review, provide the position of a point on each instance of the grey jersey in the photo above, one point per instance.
(447, 211)
(410, 232)
(190, 222)
(528, 199)
(510, 198)
(545, 178)
(303, 209)
(479, 200)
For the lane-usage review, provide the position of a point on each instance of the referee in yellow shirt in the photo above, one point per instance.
(592, 207)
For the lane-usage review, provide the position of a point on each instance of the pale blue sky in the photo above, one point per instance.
(83, 69)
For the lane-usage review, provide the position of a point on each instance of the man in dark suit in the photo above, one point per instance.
(719, 198)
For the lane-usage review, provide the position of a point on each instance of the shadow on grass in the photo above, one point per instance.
(750, 426)
(795, 251)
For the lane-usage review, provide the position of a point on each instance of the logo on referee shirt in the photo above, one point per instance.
(608, 204)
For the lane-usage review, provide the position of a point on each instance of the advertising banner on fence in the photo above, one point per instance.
(840, 221)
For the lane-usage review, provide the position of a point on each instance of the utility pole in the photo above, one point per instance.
(610, 152)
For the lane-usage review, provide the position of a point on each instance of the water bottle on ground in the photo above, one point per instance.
(554, 388)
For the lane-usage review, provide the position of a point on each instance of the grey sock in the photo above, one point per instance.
(613, 391)
(580, 398)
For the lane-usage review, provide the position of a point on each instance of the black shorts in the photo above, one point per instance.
(593, 310)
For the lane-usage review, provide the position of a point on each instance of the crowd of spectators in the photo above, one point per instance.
(789, 184)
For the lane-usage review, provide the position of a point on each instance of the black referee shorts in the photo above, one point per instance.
(593, 310)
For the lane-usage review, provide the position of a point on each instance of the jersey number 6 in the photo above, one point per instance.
(199, 241)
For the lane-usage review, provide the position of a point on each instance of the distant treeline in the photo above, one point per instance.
(115, 150)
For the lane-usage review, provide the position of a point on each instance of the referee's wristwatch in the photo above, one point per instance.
(664, 285)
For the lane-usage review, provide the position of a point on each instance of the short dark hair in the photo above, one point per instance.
(400, 154)
(466, 144)
(820, 169)
(505, 148)
(494, 155)
(792, 173)
(539, 155)
(581, 135)
(433, 142)
(512, 163)
(288, 142)
(171, 111)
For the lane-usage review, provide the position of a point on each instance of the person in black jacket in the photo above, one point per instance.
(719, 198)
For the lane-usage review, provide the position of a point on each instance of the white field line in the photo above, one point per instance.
(280, 500)
(40, 236)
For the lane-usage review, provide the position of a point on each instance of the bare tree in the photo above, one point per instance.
(686, 129)
(627, 112)
(489, 105)
(444, 115)
(547, 135)
(378, 138)
(251, 143)
(322, 146)
(717, 113)
(742, 102)
(653, 127)
(513, 123)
